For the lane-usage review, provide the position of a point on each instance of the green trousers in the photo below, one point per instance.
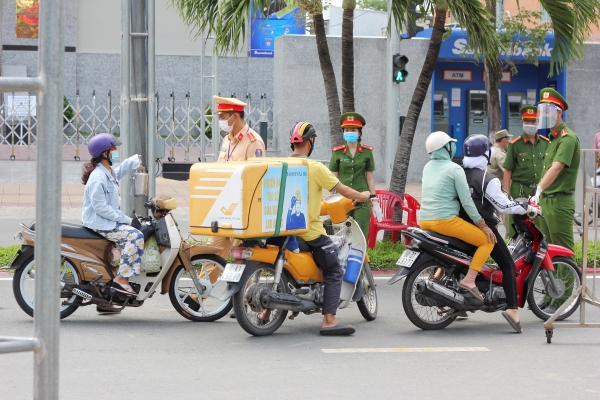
(517, 190)
(557, 225)
(362, 216)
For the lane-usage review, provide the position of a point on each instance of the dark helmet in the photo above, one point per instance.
(101, 142)
(476, 145)
(301, 132)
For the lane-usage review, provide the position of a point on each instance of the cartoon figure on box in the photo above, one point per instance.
(295, 217)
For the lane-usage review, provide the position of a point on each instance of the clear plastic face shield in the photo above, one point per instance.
(547, 115)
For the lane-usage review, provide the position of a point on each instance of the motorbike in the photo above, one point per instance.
(188, 272)
(267, 281)
(433, 302)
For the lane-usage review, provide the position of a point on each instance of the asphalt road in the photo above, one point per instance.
(153, 353)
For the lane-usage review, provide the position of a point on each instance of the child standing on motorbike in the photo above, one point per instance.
(302, 140)
(486, 191)
(101, 211)
(444, 189)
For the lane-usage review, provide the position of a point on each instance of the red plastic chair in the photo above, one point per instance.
(414, 205)
(387, 201)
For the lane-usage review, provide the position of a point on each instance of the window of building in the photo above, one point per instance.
(545, 15)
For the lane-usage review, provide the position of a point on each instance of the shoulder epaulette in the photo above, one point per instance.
(336, 148)
(367, 147)
(544, 137)
(252, 137)
(564, 133)
(515, 140)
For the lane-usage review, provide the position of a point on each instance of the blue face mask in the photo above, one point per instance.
(350, 137)
(114, 157)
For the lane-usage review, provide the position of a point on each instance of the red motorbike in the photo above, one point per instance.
(546, 276)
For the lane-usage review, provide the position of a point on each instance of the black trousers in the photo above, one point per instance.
(326, 258)
(502, 256)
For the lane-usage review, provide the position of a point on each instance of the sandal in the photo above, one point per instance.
(473, 291)
(337, 330)
(124, 288)
(515, 325)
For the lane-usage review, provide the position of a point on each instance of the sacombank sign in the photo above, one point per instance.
(460, 48)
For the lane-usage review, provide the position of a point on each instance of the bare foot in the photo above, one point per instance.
(329, 320)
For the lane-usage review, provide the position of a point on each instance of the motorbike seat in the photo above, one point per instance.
(454, 242)
(278, 241)
(75, 231)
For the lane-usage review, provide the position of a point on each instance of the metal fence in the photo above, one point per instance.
(178, 119)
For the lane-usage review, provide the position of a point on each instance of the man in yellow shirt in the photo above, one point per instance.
(324, 251)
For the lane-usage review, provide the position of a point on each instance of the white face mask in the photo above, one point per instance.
(530, 129)
(224, 125)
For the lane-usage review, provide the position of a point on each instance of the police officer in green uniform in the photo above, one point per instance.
(353, 164)
(555, 192)
(523, 164)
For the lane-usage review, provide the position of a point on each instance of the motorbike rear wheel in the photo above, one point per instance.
(564, 269)
(420, 310)
(247, 305)
(367, 305)
(24, 287)
(184, 295)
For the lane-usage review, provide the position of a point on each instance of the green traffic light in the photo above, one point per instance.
(401, 75)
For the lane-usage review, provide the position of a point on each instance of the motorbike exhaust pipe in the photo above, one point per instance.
(84, 295)
(285, 301)
(447, 297)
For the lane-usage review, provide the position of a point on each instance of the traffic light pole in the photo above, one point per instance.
(392, 100)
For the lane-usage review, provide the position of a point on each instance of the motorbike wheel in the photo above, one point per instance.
(540, 289)
(422, 311)
(367, 305)
(577, 217)
(247, 305)
(24, 287)
(184, 295)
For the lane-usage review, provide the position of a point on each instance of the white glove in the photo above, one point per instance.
(376, 209)
(536, 197)
(533, 211)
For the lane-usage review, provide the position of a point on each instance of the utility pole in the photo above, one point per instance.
(392, 100)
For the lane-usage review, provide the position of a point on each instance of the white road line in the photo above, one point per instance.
(6, 279)
(404, 350)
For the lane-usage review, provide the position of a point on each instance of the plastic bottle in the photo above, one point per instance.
(355, 259)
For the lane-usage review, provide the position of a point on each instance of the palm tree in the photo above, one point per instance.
(226, 20)
(348, 55)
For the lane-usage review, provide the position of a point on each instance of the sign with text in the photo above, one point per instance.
(27, 13)
(20, 106)
(457, 75)
(506, 76)
(279, 19)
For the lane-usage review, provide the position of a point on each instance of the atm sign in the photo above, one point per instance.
(457, 75)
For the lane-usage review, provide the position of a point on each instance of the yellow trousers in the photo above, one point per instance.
(465, 231)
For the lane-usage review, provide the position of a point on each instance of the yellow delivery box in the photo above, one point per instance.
(249, 199)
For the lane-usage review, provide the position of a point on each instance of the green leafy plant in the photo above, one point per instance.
(7, 254)
(68, 113)
(385, 254)
(208, 124)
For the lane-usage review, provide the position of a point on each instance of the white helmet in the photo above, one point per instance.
(437, 140)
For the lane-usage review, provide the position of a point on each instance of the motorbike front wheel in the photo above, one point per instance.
(422, 311)
(24, 288)
(543, 298)
(249, 312)
(206, 307)
(367, 305)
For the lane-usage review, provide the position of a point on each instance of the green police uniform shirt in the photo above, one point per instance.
(564, 148)
(525, 159)
(352, 170)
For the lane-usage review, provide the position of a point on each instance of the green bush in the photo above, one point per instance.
(68, 112)
(590, 252)
(385, 254)
(7, 253)
(208, 126)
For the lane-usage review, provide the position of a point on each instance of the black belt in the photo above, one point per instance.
(556, 194)
(524, 184)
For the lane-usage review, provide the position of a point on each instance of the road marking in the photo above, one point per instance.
(6, 279)
(404, 350)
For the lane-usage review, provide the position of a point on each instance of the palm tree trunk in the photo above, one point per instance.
(331, 92)
(348, 60)
(493, 73)
(402, 159)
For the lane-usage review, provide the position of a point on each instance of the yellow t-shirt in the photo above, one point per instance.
(319, 178)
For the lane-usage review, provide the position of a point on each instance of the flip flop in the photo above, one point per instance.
(516, 325)
(125, 288)
(337, 330)
(473, 291)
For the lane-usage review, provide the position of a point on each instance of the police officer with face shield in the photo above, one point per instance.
(555, 192)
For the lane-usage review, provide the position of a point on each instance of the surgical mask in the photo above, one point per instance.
(530, 129)
(224, 125)
(350, 137)
(114, 157)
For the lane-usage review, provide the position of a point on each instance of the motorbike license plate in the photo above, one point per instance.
(233, 272)
(408, 258)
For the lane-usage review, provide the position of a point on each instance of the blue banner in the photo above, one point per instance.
(279, 19)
